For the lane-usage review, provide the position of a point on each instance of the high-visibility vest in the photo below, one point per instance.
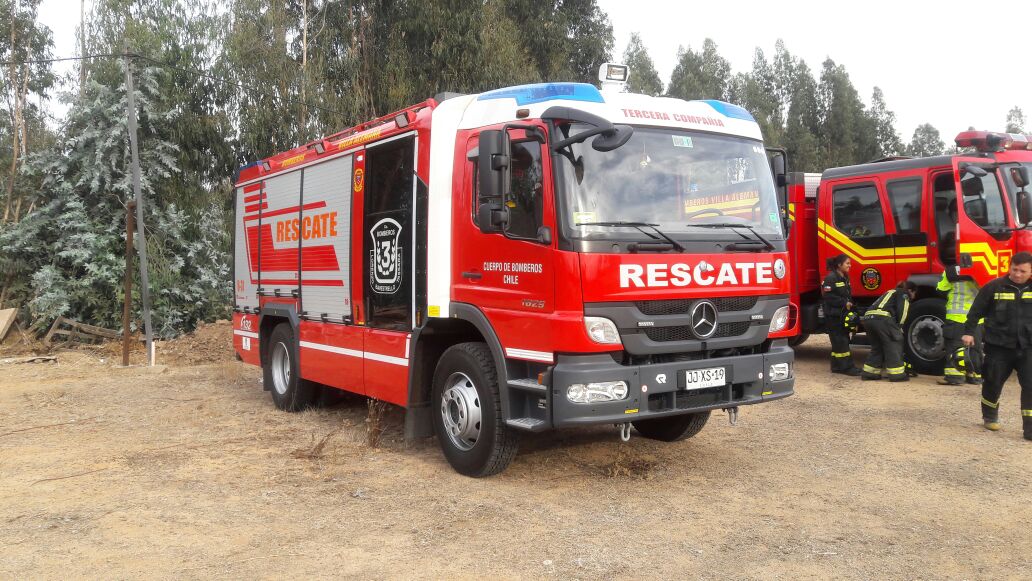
(958, 301)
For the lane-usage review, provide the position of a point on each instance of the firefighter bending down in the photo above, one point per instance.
(962, 363)
(1006, 304)
(837, 296)
(884, 324)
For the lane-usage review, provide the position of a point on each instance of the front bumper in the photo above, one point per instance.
(657, 390)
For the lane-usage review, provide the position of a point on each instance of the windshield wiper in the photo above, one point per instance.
(639, 225)
(759, 237)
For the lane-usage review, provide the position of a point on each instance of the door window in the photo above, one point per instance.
(858, 211)
(526, 197)
(905, 200)
(389, 190)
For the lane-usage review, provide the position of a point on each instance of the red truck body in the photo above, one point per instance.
(381, 261)
(910, 219)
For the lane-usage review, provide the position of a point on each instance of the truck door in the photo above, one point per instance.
(855, 224)
(984, 241)
(509, 274)
(388, 234)
(909, 240)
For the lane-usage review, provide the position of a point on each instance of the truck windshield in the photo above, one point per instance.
(683, 182)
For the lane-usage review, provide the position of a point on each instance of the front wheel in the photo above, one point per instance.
(467, 412)
(672, 428)
(923, 341)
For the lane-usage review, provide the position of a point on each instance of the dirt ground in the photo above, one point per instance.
(188, 471)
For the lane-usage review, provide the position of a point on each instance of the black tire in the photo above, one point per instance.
(923, 344)
(798, 339)
(281, 374)
(672, 428)
(465, 387)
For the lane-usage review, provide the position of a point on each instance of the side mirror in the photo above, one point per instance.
(544, 235)
(972, 186)
(1019, 175)
(612, 139)
(1024, 207)
(492, 178)
(780, 172)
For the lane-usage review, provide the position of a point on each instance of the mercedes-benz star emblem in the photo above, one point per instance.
(704, 319)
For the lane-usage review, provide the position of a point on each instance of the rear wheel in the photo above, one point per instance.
(281, 374)
(923, 341)
(467, 412)
(672, 428)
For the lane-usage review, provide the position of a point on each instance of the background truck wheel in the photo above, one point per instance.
(798, 339)
(281, 374)
(923, 343)
(467, 412)
(672, 428)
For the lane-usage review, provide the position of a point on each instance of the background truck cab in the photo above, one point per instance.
(912, 219)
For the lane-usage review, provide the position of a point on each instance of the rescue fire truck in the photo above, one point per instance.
(912, 219)
(526, 259)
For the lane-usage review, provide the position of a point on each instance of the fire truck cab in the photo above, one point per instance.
(526, 259)
(912, 219)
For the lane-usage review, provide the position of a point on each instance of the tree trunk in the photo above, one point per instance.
(11, 73)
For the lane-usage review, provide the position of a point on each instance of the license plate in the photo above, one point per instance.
(703, 378)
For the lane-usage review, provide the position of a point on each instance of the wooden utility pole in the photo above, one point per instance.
(130, 226)
(141, 239)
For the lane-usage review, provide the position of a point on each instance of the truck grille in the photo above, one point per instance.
(684, 333)
(684, 306)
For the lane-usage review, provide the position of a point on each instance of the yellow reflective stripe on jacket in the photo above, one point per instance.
(906, 307)
(990, 404)
(878, 313)
(1026, 295)
(885, 299)
(1026, 413)
(1004, 296)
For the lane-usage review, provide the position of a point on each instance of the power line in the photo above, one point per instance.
(58, 60)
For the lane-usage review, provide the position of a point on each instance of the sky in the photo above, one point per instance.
(948, 63)
(951, 64)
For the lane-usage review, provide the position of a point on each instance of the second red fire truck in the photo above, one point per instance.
(526, 259)
(911, 219)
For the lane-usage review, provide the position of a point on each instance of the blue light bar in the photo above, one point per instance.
(729, 110)
(541, 92)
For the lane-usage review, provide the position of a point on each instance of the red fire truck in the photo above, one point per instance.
(526, 259)
(911, 219)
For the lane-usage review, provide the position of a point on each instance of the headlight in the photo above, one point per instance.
(602, 330)
(780, 371)
(597, 392)
(780, 320)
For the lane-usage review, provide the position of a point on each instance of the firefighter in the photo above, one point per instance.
(962, 363)
(837, 299)
(884, 324)
(1006, 304)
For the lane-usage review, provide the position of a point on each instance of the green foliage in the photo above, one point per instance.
(69, 253)
(701, 75)
(926, 142)
(643, 78)
(1015, 120)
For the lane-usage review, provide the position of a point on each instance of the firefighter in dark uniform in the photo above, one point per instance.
(884, 324)
(837, 300)
(1006, 304)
